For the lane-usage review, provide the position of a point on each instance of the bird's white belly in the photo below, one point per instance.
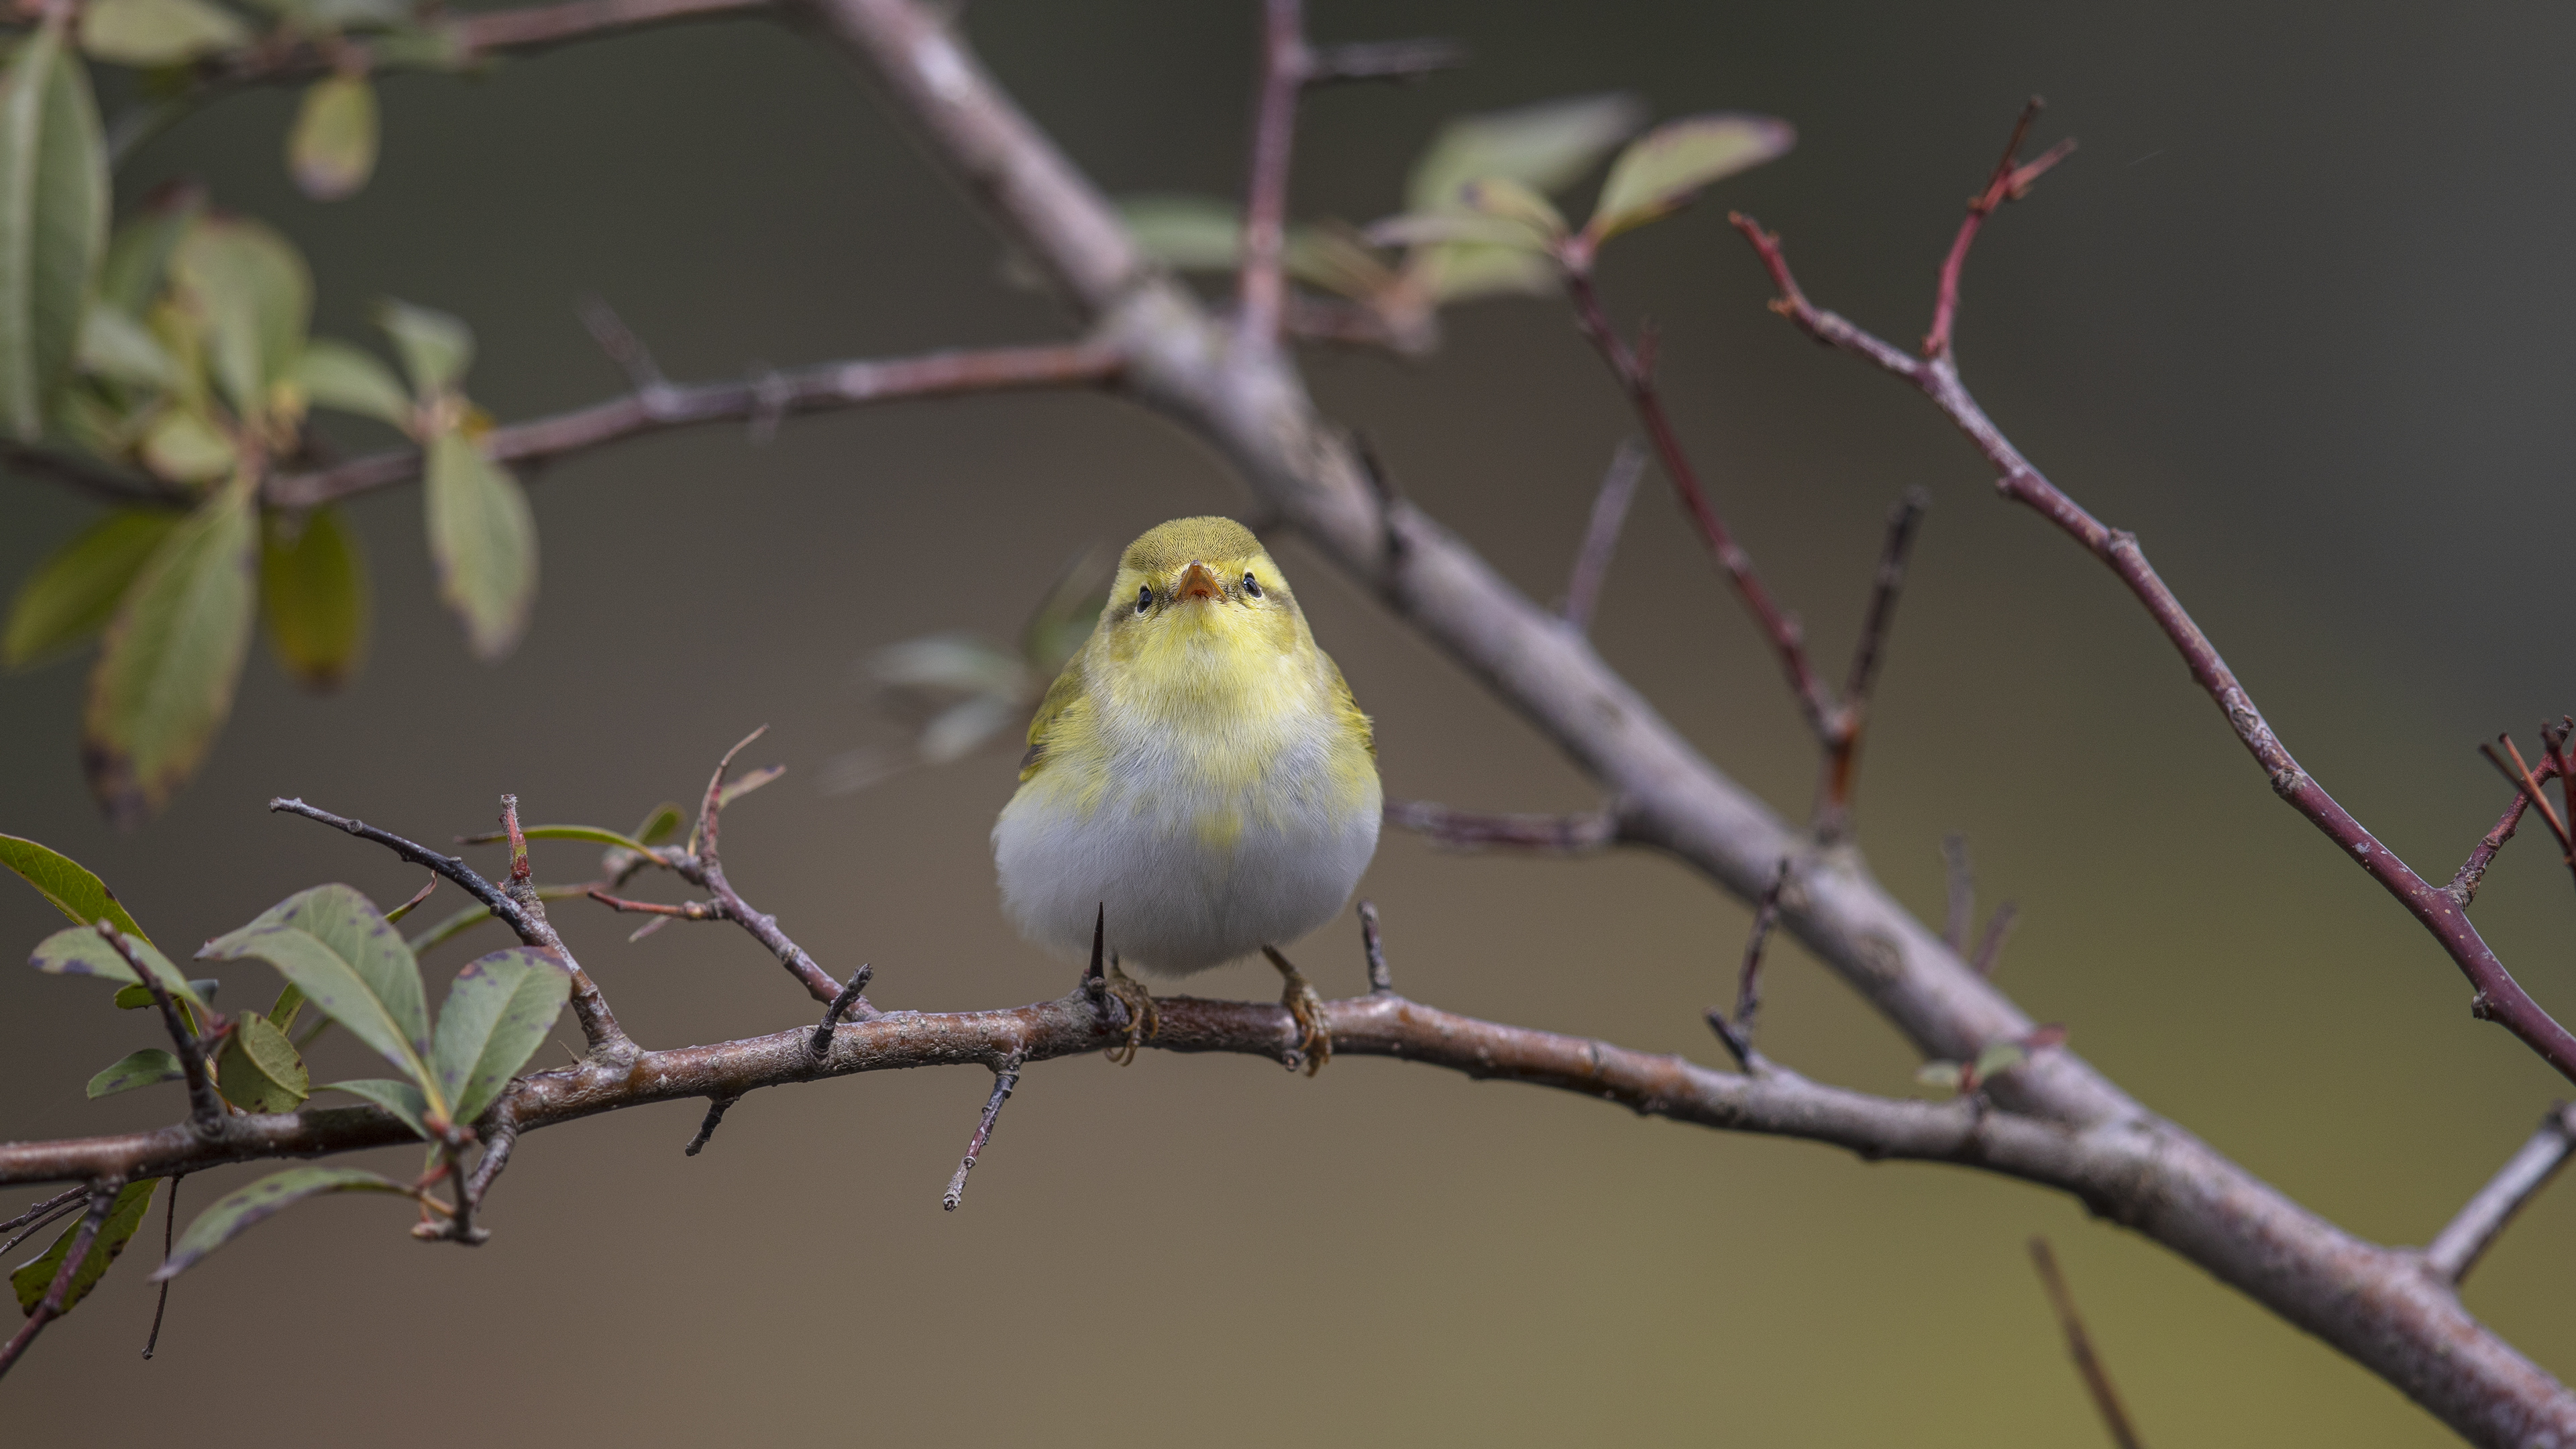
(1190, 875)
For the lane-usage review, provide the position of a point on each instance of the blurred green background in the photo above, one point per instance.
(2294, 313)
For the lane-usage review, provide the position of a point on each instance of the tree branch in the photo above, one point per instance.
(2457, 1248)
(1263, 282)
(206, 1111)
(828, 387)
(2497, 996)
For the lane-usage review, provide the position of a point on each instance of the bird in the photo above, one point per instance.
(1199, 785)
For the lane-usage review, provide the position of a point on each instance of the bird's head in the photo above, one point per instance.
(1199, 583)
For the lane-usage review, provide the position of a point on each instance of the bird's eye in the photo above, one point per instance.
(1251, 585)
(1144, 598)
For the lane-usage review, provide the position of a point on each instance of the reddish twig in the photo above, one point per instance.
(102, 1196)
(1005, 1077)
(1990, 948)
(2079, 1346)
(2524, 778)
(2496, 995)
(701, 864)
(1601, 534)
(2012, 181)
(1471, 830)
(1846, 721)
(1285, 61)
(2464, 885)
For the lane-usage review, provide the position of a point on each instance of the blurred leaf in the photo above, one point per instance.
(146, 1068)
(450, 927)
(336, 375)
(751, 780)
(115, 346)
(313, 595)
(956, 731)
(139, 996)
(1666, 167)
(483, 538)
(53, 220)
(138, 256)
(495, 1017)
(1435, 228)
(1337, 259)
(436, 348)
(228, 1219)
(661, 825)
(400, 1098)
(73, 593)
(185, 447)
(1945, 1075)
(290, 1000)
(350, 964)
(79, 951)
(1998, 1059)
(256, 296)
(1508, 201)
(165, 678)
(963, 662)
(1066, 616)
(258, 1069)
(332, 149)
(1187, 233)
(148, 33)
(1543, 146)
(435, 47)
(68, 885)
(32, 1280)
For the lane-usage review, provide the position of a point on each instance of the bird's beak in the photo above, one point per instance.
(1197, 583)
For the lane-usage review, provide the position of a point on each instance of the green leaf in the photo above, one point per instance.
(348, 962)
(185, 446)
(258, 1069)
(257, 298)
(1543, 146)
(32, 1280)
(332, 149)
(139, 996)
(165, 678)
(73, 593)
(148, 1067)
(1663, 169)
(153, 33)
(313, 596)
(69, 885)
(660, 826)
(496, 1016)
(751, 780)
(435, 348)
(2002, 1057)
(138, 256)
(263, 1199)
(53, 220)
(79, 951)
(402, 1099)
(483, 538)
(1186, 233)
(116, 347)
(574, 832)
(290, 1000)
(1461, 271)
(337, 375)
(1944, 1075)
(1506, 200)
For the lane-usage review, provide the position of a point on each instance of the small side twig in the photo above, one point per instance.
(40, 1216)
(169, 1235)
(102, 1196)
(207, 1114)
(2011, 181)
(1381, 981)
(1848, 720)
(716, 1109)
(1999, 928)
(2079, 1346)
(1472, 830)
(1285, 62)
(1601, 534)
(2528, 780)
(702, 864)
(1382, 60)
(1005, 1077)
(822, 1040)
(2457, 1248)
(1736, 1030)
(1962, 876)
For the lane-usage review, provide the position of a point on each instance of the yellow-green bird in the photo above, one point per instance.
(1198, 780)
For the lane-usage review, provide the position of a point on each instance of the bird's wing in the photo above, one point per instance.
(1347, 706)
(1062, 698)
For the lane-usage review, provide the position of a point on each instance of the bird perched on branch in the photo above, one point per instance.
(1199, 781)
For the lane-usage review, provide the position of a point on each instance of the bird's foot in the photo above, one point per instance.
(1314, 1038)
(1143, 1021)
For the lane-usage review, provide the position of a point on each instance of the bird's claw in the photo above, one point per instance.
(1314, 1038)
(1143, 1021)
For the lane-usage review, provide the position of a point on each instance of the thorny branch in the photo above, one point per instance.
(2497, 996)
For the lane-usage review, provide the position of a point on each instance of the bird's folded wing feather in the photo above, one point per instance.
(1063, 699)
